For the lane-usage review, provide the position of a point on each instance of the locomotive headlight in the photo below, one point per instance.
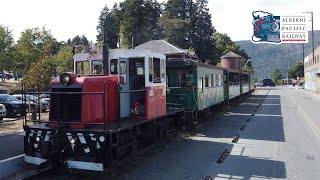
(72, 141)
(102, 138)
(65, 79)
(38, 139)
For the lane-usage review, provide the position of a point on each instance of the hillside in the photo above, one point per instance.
(266, 57)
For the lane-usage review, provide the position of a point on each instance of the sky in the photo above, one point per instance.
(67, 18)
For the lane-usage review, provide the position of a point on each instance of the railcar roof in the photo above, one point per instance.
(117, 53)
(184, 63)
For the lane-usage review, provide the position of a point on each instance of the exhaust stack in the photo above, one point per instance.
(105, 48)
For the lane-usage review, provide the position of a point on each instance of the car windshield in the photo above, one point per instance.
(8, 98)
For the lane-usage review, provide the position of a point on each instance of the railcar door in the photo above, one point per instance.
(124, 86)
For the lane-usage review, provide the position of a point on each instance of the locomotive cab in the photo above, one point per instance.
(141, 76)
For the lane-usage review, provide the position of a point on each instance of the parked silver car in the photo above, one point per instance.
(33, 100)
(3, 111)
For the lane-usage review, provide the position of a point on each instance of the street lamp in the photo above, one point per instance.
(245, 64)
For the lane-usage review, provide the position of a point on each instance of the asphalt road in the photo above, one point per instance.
(11, 145)
(281, 141)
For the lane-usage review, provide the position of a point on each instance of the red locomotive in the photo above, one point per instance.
(103, 111)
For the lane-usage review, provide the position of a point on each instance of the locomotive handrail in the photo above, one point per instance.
(138, 90)
(62, 122)
(179, 87)
(65, 93)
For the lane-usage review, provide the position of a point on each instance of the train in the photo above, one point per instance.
(108, 108)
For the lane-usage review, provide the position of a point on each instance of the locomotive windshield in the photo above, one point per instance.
(85, 68)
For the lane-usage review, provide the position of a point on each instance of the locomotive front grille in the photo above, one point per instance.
(66, 107)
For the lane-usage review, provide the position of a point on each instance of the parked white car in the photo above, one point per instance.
(3, 111)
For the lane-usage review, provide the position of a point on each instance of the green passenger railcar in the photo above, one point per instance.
(196, 85)
(245, 82)
(234, 84)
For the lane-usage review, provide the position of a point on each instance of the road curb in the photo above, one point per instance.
(11, 166)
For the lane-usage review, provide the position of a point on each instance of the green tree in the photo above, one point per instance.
(176, 22)
(63, 61)
(276, 75)
(139, 22)
(112, 25)
(6, 43)
(202, 40)
(297, 70)
(33, 44)
(39, 74)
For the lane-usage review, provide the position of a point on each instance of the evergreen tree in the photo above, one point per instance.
(76, 41)
(202, 40)
(176, 22)
(139, 22)
(111, 19)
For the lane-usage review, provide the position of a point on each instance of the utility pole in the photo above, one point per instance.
(312, 36)
(312, 33)
(303, 57)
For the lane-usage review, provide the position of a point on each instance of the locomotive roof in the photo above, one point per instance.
(117, 53)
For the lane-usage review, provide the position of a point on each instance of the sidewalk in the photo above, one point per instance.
(309, 103)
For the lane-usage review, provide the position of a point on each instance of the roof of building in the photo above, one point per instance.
(230, 54)
(163, 47)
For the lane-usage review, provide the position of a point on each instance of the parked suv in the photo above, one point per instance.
(268, 82)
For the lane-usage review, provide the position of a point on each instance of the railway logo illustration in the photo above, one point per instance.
(266, 27)
(269, 28)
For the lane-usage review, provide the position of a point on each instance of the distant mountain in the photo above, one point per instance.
(267, 57)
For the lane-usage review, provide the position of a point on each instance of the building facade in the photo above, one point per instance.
(312, 71)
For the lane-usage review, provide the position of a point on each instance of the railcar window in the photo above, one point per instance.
(189, 79)
(217, 80)
(150, 70)
(123, 72)
(96, 67)
(206, 81)
(213, 76)
(181, 80)
(140, 70)
(83, 67)
(209, 81)
(245, 79)
(156, 70)
(162, 71)
(114, 66)
(200, 85)
(220, 80)
(234, 79)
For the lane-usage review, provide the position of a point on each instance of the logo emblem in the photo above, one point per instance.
(268, 28)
